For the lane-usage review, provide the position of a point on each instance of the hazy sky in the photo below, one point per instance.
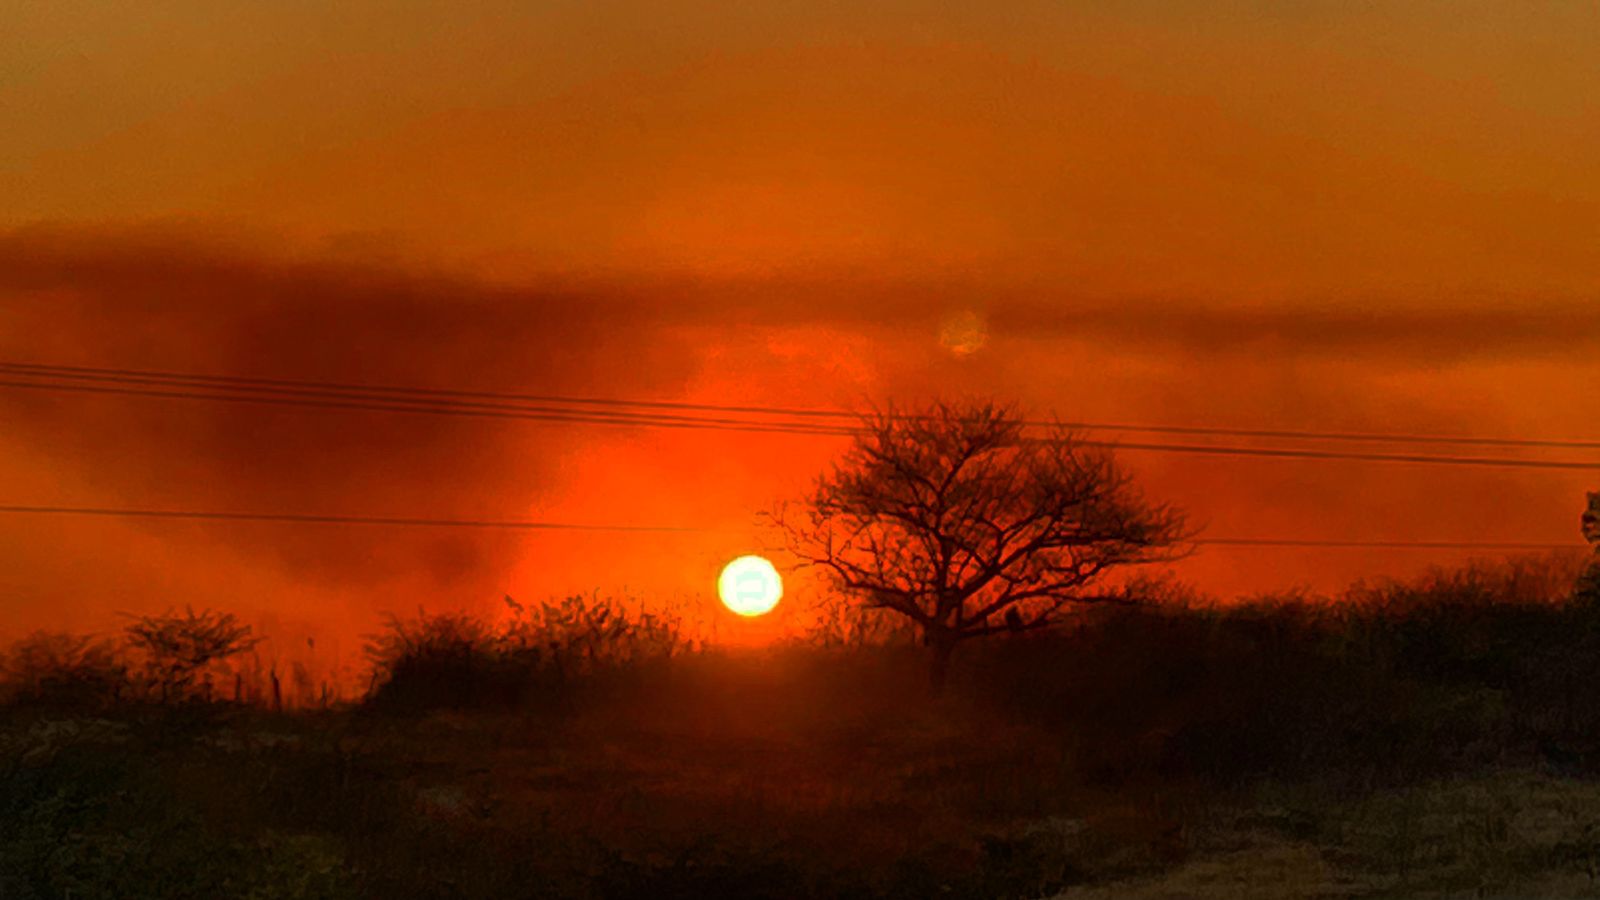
(1316, 215)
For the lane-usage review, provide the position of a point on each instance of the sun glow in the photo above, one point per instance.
(750, 586)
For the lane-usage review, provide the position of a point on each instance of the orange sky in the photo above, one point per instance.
(1313, 215)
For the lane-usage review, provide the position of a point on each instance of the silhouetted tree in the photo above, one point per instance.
(959, 519)
(178, 647)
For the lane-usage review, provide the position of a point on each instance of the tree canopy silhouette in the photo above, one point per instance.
(964, 522)
(179, 647)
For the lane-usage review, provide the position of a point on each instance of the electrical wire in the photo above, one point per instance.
(242, 382)
(342, 400)
(532, 525)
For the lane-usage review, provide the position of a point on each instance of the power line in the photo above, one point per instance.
(475, 411)
(394, 396)
(527, 525)
(314, 519)
(1496, 461)
(1391, 545)
(243, 382)
(336, 400)
(436, 396)
(1350, 436)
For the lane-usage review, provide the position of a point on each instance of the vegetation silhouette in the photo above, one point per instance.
(1432, 736)
(540, 655)
(1590, 585)
(955, 519)
(179, 648)
(163, 658)
(63, 671)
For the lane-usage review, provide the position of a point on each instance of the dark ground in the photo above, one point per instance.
(1434, 739)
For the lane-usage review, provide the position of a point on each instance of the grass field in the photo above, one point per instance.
(1425, 740)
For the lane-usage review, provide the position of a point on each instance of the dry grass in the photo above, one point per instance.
(1512, 834)
(1424, 740)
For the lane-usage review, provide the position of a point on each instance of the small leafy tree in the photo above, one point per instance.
(958, 519)
(178, 648)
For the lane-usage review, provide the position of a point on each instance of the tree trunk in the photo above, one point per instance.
(940, 647)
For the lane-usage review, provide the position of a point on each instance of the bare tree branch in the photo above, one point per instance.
(953, 516)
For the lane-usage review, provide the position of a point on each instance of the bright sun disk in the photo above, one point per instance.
(750, 586)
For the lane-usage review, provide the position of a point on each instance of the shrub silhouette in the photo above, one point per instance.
(582, 635)
(178, 650)
(439, 660)
(1385, 680)
(540, 655)
(55, 669)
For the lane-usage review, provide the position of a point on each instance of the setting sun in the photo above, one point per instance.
(750, 586)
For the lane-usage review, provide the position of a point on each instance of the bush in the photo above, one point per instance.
(540, 656)
(584, 635)
(179, 650)
(1457, 668)
(55, 669)
(439, 661)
